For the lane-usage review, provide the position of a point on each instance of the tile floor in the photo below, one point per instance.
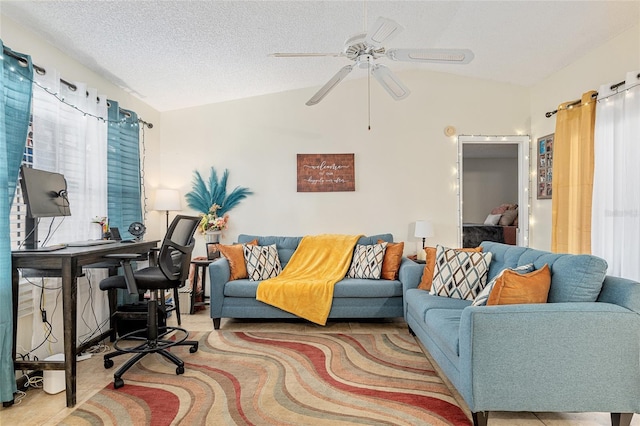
(40, 408)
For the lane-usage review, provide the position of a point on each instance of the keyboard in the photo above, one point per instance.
(89, 243)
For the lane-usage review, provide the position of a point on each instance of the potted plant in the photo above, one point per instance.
(210, 198)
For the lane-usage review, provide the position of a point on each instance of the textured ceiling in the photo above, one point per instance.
(177, 54)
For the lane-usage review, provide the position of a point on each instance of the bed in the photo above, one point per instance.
(475, 233)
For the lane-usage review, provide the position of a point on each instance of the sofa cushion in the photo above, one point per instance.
(262, 262)
(459, 274)
(373, 239)
(392, 260)
(574, 277)
(443, 325)
(348, 287)
(285, 245)
(419, 302)
(367, 261)
(357, 287)
(512, 288)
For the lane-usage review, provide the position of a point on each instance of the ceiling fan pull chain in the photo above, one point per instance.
(369, 91)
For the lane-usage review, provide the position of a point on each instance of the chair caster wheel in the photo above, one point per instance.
(118, 383)
(193, 348)
(108, 363)
(179, 370)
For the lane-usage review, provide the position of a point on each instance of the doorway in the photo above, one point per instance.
(509, 155)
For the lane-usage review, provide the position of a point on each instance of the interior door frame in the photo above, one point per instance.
(524, 197)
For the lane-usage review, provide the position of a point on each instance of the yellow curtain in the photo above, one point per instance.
(573, 177)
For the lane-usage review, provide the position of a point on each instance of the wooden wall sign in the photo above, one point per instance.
(326, 172)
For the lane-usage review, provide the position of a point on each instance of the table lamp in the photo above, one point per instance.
(423, 230)
(167, 200)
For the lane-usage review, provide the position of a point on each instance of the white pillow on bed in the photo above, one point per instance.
(492, 219)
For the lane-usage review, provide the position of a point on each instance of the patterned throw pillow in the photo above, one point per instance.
(367, 261)
(262, 262)
(430, 265)
(459, 274)
(483, 296)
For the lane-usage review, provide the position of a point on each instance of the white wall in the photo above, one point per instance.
(405, 165)
(607, 63)
(488, 183)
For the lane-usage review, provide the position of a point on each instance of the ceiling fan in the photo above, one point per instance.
(364, 49)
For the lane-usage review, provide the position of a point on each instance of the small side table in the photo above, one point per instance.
(415, 259)
(200, 271)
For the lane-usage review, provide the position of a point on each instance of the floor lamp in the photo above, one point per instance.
(167, 200)
(423, 230)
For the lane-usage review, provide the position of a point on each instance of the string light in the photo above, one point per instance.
(85, 113)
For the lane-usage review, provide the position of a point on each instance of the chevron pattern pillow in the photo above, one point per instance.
(367, 261)
(262, 261)
(483, 295)
(459, 274)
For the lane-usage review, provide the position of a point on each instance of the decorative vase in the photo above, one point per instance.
(212, 236)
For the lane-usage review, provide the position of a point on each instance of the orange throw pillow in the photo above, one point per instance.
(235, 256)
(430, 266)
(391, 261)
(513, 288)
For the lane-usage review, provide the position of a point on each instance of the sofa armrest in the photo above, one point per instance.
(219, 274)
(550, 357)
(410, 274)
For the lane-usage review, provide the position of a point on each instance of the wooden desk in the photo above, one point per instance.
(66, 263)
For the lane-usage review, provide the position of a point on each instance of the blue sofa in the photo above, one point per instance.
(580, 352)
(352, 298)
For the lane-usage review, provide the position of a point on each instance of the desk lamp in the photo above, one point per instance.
(167, 200)
(423, 230)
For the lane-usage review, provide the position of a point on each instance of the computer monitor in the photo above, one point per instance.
(45, 194)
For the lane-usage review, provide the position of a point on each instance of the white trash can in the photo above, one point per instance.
(53, 380)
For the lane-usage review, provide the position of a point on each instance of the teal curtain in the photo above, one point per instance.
(123, 169)
(15, 108)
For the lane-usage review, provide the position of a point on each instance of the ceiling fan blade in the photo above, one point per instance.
(390, 82)
(324, 90)
(383, 30)
(438, 56)
(303, 55)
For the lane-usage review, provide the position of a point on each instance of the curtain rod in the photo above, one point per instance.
(40, 70)
(595, 95)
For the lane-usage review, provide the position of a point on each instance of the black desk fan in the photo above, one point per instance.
(137, 229)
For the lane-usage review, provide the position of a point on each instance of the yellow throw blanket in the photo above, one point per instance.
(305, 286)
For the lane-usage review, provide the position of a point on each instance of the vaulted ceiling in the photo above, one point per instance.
(177, 54)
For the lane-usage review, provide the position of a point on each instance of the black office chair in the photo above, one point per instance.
(171, 272)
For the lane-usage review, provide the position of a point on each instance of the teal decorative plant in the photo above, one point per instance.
(213, 192)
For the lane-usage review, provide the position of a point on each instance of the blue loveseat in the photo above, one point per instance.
(580, 352)
(352, 298)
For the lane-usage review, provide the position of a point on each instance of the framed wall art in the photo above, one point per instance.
(545, 167)
(326, 172)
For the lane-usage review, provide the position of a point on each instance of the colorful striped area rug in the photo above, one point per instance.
(268, 378)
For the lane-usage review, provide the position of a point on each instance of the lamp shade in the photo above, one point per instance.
(423, 229)
(167, 199)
